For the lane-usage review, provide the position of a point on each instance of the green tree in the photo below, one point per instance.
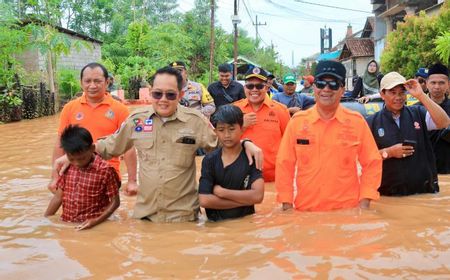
(12, 41)
(413, 43)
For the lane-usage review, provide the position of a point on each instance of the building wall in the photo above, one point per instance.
(33, 61)
(29, 60)
(378, 49)
(77, 58)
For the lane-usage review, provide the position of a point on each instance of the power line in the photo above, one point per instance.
(333, 7)
(313, 20)
(248, 12)
(287, 40)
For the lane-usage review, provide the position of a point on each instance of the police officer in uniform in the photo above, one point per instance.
(196, 96)
(401, 134)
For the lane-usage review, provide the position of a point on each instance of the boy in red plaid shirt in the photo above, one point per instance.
(89, 189)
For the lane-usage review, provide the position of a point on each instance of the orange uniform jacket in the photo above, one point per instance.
(323, 155)
(272, 118)
(101, 120)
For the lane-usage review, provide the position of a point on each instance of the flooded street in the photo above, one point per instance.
(398, 238)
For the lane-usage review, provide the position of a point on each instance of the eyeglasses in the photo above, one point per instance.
(333, 85)
(257, 86)
(169, 95)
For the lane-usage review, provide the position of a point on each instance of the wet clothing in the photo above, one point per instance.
(295, 100)
(322, 157)
(101, 121)
(87, 192)
(272, 118)
(236, 176)
(412, 174)
(230, 94)
(166, 151)
(198, 98)
(440, 139)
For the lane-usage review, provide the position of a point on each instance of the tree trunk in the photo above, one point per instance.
(51, 79)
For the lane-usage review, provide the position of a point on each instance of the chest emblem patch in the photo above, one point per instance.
(381, 132)
(416, 125)
(79, 116)
(109, 114)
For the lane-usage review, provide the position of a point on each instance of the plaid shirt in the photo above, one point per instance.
(88, 191)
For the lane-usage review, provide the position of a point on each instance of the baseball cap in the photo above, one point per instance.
(438, 69)
(257, 73)
(309, 78)
(330, 68)
(422, 72)
(391, 80)
(289, 78)
(178, 65)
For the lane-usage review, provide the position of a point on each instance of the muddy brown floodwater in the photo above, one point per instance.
(398, 238)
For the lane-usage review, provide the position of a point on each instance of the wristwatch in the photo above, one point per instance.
(384, 154)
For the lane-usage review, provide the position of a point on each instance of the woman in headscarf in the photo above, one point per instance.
(369, 83)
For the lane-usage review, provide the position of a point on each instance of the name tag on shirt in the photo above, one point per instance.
(303, 141)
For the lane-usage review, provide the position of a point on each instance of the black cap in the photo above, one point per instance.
(178, 65)
(438, 69)
(225, 68)
(330, 68)
(271, 76)
(257, 73)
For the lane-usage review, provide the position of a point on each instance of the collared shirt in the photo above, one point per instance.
(271, 120)
(87, 192)
(199, 98)
(412, 174)
(322, 157)
(234, 90)
(166, 152)
(101, 121)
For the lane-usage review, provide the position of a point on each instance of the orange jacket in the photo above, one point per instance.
(322, 156)
(101, 120)
(272, 118)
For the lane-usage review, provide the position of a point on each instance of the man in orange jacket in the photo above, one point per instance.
(264, 119)
(321, 148)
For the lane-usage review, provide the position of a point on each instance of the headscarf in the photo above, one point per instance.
(370, 82)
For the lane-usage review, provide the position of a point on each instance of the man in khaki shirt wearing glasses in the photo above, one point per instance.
(166, 136)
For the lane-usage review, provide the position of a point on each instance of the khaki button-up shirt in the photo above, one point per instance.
(166, 152)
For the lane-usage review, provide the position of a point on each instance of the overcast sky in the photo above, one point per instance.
(292, 26)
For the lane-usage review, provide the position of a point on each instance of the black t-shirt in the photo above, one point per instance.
(234, 92)
(441, 144)
(412, 174)
(239, 175)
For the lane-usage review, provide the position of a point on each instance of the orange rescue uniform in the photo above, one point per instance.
(324, 155)
(271, 121)
(101, 121)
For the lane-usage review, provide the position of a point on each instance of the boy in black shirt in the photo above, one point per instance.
(229, 187)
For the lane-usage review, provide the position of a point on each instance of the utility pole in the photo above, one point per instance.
(212, 42)
(292, 59)
(256, 24)
(235, 20)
